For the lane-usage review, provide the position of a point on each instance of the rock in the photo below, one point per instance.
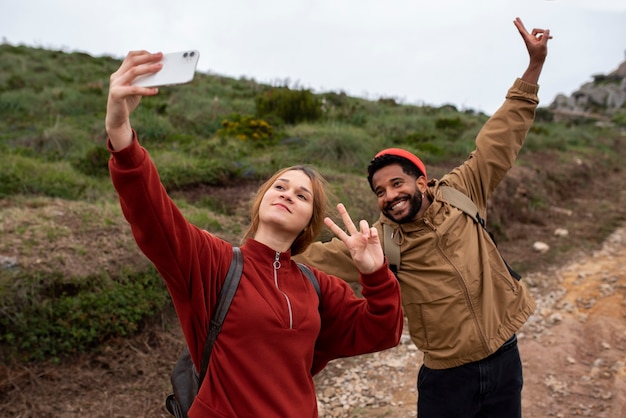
(541, 247)
(605, 92)
(561, 232)
(8, 262)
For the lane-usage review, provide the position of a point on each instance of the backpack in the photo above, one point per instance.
(454, 198)
(185, 379)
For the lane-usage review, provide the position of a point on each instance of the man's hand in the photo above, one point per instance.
(537, 46)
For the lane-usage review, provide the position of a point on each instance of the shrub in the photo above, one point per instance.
(452, 127)
(340, 108)
(620, 119)
(247, 128)
(51, 317)
(340, 146)
(543, 114)
(420, 137)
(291, 106)
(23, 175)
(152, 126)
(178, 171)
(94, 162)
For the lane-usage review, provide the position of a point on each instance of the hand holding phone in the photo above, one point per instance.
(178, 68)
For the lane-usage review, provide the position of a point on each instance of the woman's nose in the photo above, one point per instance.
(286, 195)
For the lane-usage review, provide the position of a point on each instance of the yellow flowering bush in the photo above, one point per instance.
(246, 128)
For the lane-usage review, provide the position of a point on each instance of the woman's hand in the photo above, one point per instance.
(364, 245)
(124, 98)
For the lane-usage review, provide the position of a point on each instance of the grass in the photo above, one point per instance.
(77, 263)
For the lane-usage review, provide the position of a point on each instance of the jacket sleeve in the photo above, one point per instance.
(189, 260)
(497, 145)
(333, 257)
(354, 326)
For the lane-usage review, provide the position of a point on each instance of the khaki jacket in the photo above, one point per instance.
(459, 298)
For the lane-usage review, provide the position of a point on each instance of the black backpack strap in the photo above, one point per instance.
(309, 275)
(226, 296)
(392, 249)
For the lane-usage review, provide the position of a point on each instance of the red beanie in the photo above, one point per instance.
(398, 152)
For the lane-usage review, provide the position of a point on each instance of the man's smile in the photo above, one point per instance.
(397, 205)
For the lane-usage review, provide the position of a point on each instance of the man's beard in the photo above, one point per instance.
(415, 203)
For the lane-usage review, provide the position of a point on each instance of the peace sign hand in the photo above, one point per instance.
(364, 245)
(537, 45)
(536, 41)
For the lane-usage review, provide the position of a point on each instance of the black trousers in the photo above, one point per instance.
(489, 388)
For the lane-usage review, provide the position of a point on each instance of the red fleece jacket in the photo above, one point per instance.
(274, 339)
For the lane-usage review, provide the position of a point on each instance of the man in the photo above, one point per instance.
(461, 302)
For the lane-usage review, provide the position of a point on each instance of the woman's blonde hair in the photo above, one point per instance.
(320, 206)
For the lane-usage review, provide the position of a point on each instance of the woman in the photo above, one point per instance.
(274, 339)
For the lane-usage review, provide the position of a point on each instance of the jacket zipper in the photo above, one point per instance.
(463, 286)
(276, 267)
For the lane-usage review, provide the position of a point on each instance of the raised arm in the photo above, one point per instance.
(124, 98)
(537, 46)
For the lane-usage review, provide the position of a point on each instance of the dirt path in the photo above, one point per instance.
(573, 349)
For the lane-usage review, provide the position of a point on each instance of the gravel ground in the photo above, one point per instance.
(573, 350)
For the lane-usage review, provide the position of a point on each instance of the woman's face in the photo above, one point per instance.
(288, 203)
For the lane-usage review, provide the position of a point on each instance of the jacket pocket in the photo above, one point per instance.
(500, 273)
(435, 323)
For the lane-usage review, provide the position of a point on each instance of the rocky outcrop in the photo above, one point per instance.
(601, 98)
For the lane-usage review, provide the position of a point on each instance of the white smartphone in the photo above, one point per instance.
(178, 68)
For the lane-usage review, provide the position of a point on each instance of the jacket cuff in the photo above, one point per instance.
(378, 276)
(130, 157)
(526, 87)
(523, 90)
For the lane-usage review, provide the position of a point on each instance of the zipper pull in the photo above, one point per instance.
(277, 261)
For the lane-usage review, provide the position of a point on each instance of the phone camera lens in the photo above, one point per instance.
(191, 54)
(185, 55)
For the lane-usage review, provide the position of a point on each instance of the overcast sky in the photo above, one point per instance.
(465, 53)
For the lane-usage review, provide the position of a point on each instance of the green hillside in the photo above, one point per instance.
(71, 276)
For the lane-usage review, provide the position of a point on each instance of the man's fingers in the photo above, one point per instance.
(546, 34)
(519, 24)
